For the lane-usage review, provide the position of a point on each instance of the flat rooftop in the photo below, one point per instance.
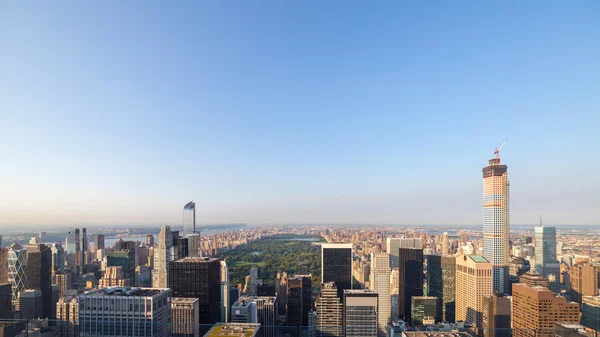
(478, 258)
(197, 259)
(183, 300)
(245, 300)
(125, 292)
(359, 291)
(233, 330)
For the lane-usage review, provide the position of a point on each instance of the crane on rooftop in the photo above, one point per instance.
(497, 151)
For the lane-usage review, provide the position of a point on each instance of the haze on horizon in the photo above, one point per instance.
(337, 112)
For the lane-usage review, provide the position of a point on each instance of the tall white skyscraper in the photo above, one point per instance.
(164, 253)
(224, 292)
(380, 282)
(189, 218)
(496, 221)
(393, 246)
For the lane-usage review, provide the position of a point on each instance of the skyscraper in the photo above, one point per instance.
(126, 260)
(473, 283)
(163, 254)
(58, 258)
(148, 312)
(184, 317)
(294, 302)
(29, 303)
(225, 307)
(329, 312)
(336, 265)
(584, 281)
(379, 281)
(496, 316)
(590, 312)
(445, 244)
(360, 313)
(393, 244)
(545, 255)
(496, 221)
(256, 309)
(197, 277)
(411, 279)
(39, 274)
(189, 218)
(81, 248)
(6, 301)
(98, 241)
(441, 272)
(535, 309)
(17, 270)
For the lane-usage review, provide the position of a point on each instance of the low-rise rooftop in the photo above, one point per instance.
(125, 291)
(233, 330)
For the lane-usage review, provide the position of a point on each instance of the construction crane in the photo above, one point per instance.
(497, 151)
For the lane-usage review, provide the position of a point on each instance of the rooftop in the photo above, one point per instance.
(183, 300)
(233, 330)
(434, 334)
(336, 245)
(126, 291)
(479, 258)
(245, 300)
(359, 291)
(197, 259)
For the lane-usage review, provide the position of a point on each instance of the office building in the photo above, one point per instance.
(98, 241)
(306, 299)
(535, 309)
(572, 330)
(424, 308)
(496, 221)
(81, 248)
(3, 265)
(58, 258)
(189, 218)
(17, 270)
(590, 312)
(474, 275)
(184, 317)
(360, 313)
(164, 253)
(294, 302)
(114, 277)
(197, 277)
(234, 295)
(329, 312)
(336, 265)
(225, 307)
(126, 260)
(496, 316)
(64, 283)
(67, 314)
(394, 244)
(380, 283)
(411, 279)
(545, 255)
(441, 272)
(6, 307)
(193, 240)
(584, 281)
(149, 313)
(234, 330)
(29, 303)
(265, 289)
(39, 275)
(181, 247)
(256, 309)
(150, 240)
(533, 279)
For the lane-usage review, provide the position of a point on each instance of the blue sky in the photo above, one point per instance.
(117, 112)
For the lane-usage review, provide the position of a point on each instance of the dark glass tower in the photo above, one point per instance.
(294, 305)
(198, 277)
(410, 279)
(125, 259)
(336, 265)
(441, 271)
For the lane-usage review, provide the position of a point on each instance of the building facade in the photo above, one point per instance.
(380, 282)
(393, 246)
(329, 312)
(473, 283)
(144, 312)
(584, 281)
(535, 309)
(164, 253)
(336, 265)
(185, 316)
(545, 255)
(496, 316)
(496, 221)
(590, 312)
(189, 218)
(197, 277)
(257, 309)
(360, 313)
(411, 279)
(424, 309)
(441, 272)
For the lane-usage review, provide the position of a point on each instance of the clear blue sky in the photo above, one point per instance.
(120, 112)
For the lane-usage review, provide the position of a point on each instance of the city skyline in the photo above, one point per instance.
(111, 117)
